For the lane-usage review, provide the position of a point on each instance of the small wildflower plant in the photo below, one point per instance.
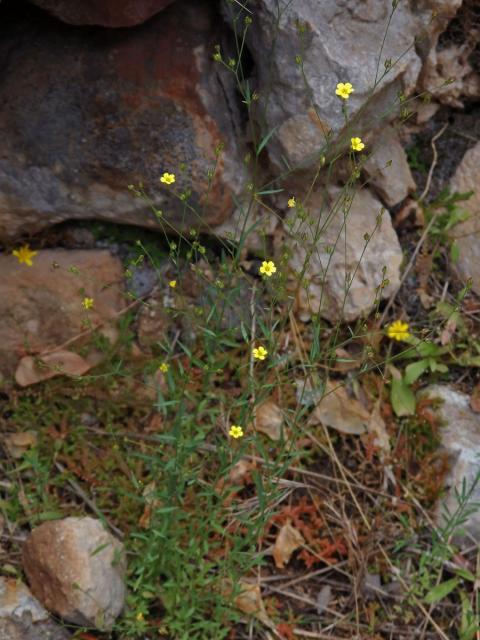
(194, 535)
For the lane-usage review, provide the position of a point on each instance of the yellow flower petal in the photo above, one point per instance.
(235, 431)
(168, 178)
(268, 268)
(259, 353)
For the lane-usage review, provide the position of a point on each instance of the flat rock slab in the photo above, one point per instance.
(76, 569)
(41, 305)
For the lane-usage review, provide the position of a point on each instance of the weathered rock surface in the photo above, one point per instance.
(76, 569)
(449, 71)
(16, 600)
(22, 617)
(388, 170)
(144, 101)
(41, 305)
(26, 630)
(467, 233)
(106, 13)
(341, 43)
(327, 270)
(460, 436)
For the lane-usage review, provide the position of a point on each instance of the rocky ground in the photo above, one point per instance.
(125, 344)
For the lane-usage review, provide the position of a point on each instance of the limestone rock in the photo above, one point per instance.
(341, 243)
(144, 101)
(341, 43)
(22, 617)
(388, 170)
(467, 233)
(41, 305)
(25, 629)
(107, 13)
(76, 569)
(16, 600)
(460, 436)
(449, 72)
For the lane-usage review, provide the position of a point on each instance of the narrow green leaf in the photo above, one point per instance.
(465, 574)
(414, 370)
(454, 251)
(441, 590)
(268, 192)
(402, 398)
(265, 140)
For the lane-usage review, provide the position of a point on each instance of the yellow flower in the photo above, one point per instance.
(291, 203)
(24, 255)
(164, 367)
(268, 268)
(344, 89)
(357, 144)
(140, 617)
(87, 303)
(235, 431)
(168, 178)
(259, 353)
(172, 283)
(398, 330)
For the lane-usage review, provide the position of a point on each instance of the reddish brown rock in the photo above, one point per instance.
(106, 13)
(76, 569)
(41, 305)
(85, 113)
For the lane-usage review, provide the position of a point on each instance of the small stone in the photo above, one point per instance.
(16, 600)
(467, 178)
(388, 170)
(460, 436)
(22, 617)
(357, 245)
(76, 570)
(25, 629)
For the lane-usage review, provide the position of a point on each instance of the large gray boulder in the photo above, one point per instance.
(107, 13)
(342, 42)
(85, 113)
